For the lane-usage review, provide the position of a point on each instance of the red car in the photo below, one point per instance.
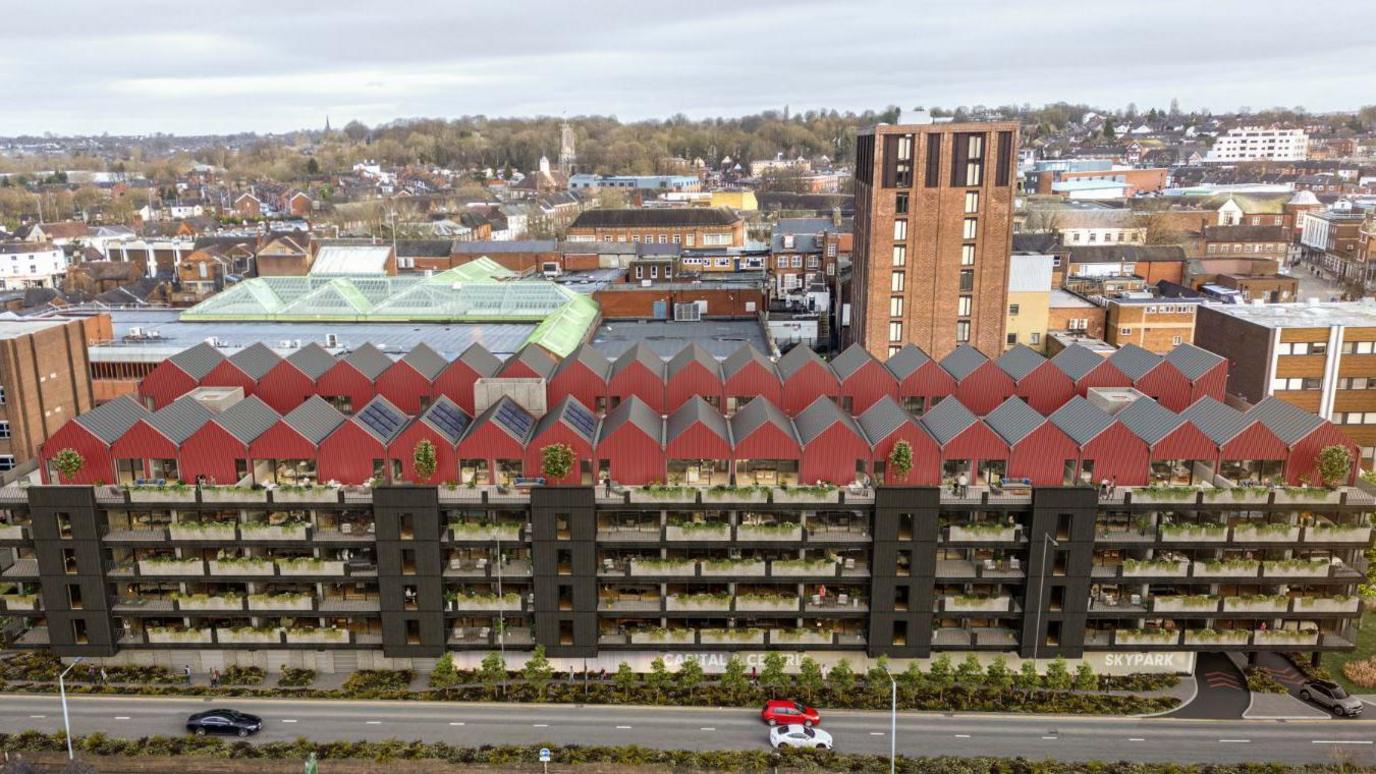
(784, 712)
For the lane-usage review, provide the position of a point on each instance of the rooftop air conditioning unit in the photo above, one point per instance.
(331, 340)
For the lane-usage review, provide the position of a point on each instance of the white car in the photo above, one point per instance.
(799, 736)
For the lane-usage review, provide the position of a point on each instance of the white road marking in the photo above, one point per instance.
(373, 722)
(962, 736)
(456, 724)
(1136, 739)
(707, 728)
(38, 717)
(288, 721)
(1049, 737)
(121, 717)
(876, 733)
(539, 725)
(1342, 741)
(625, 727)
(1235, 741)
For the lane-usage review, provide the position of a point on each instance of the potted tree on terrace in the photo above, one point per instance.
(424, 460)
(556, 461)
(68, 463)
(901, 459)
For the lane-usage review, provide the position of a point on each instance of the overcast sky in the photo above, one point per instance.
(140, 66)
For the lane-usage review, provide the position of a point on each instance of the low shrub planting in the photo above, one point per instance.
(1260, 680)
(292, 677)
(1361, 672)
(237, 675)
(378, 683)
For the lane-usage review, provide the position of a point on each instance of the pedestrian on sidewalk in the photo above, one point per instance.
(104, 678)
(187, 669)
(214, 678)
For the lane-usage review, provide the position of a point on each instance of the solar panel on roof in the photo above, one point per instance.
(513, 418)
(382, 420)
(581, 419)
(449, 419)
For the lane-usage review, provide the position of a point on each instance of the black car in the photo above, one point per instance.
(224, 721)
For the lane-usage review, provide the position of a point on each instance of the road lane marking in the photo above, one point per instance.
(707, 728)
(455, 724)
(962, 736)
(38, 717)
(876, 733)
(288, 721)
(121, 717)
(373, 722)
(539, 725)
(625, 727)
(1049, 737)
(1235, 741)
(1136, 739)
(1342, 741)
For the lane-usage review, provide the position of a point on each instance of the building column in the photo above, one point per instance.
(410, 571)
(1058, 576)
(67, 531)
(563, 548)
(904, 526)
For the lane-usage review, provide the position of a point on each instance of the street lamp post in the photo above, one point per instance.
(1041, 592)
(893, 725)
(66, 719)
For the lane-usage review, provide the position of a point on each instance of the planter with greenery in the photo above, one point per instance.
(1194, 533)
(242, 565)
(1226, 568)
(657, 636)
(509, 601)
(983, 532)
(1296, 568)
(1307, 494)
(18, 601)
(1287, 637)
(170, 565)
(971, 603)
(307, 634)
(1164, 493)
(786, 531)
(310, 566)
(1171, 568)
(12, 532)
(209, 601)
(736, 494)
(1217, 637)
(704, 601)
(801, 636)
(175, 492)
(1145, 637)
(462, 530)
(815, 493)
(1256, 603)
(282, 601)
(722, 567)
(688, 530)
(1266, 533)
(177, 634)
(742, 636)
(1339, 603)
(232, 494)
(292, 528)
(202, 530)
(789, 568)
(674, 567)
(249, 635)
(1185, 603)
(293, 493)
(664, 493)
(757, 603)
(1337, 533)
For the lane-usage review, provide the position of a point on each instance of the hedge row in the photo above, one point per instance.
(507, 755)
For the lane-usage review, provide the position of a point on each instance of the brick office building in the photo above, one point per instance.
(686, 226)
(933, 235)
(44, 381)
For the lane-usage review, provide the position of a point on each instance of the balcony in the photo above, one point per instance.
(1147, 637)
(349, 605)
(281, 602)
(1226, 568)
(486, 533)
(144, 605)
(785, 532)
(994, 569)
(731, 636)
(976, 604)
(733, 567)
(485, 493)
(242, 566)
(1201, 603)
(801, 637)
(1337, 533)
(1296, 568)
(1266, 533)
(662, 567)
(203, 531)
(839, 532)
(663, 637)
(302, 636)
(717, 530)
(155, 534)
(766, 603)
(1261, 603)
(952, 638)
(983, 533)
(233, 494)
(1155, 568)
(209, 601)
(713, 602)
(510, 602)
(18, 602)
(1285, 638)
(995, 637)
(836, 603)
(802, 568)
(171, 566)
(1339, 604)
(305, 494)
(13, 532)
(308, 566)
(1120, 605)
(1219, 637)
(285, 531)
(1193, 533)
(170, 493)
(158, 635)
(629, 604)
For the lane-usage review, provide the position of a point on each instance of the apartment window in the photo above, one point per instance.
(900, 230)
(1012, 310)
(640, 272)
(6, 462)
(1006, 160)
(895, 331)
(970, 228)
(967, 255)
(1012, 339)
(967, 280)
(963, 306)
(898, 158)
(900, 203)
(782, 262)
(2, 396)
(894, 350)
(896, 282)
(4, 428)
(895, 306)
(1124, 331)
(971, 202)
(1176, 340)
(654, 272)
(797, 261)
(967, 165)
(1358, 347)
(933, 175)
(962, 330)
(900, 255)
(1035, 337)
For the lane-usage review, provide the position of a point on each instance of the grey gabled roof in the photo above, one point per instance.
(744, 356)
(482, 362)
(1134, 361)
(589, 357)
(883, 418)
(180, 418)
(963, 361)
(247, 419)
(312, 360)
(756, 414)
(1013, 420)
(572, 414)
(369, 360)
(380, 419)
(641, 353)
(636, 412)
(197, 361)
(947, 420)
(1149, 420)
(851, 359)
(1019, 361)
(1081, 420)
(109, 421)
(536, 358)
(796, 358)
(695, 411)
(1192, 361)
(1289, 422)
(255, 360)
(1077, 361)
(907, 360)
(817, 418)
(426, 361)
(1216, 419)
(446, 418)
(315, 419)
(694, 353)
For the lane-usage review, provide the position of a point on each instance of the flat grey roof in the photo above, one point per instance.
(449, 339)
(1359, 314)
(719, 337)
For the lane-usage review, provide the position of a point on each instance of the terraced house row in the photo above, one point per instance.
(1210, 533)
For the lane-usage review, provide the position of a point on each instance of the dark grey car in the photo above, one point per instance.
(1331, 697)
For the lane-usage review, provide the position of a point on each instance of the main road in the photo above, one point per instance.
(1070, 738)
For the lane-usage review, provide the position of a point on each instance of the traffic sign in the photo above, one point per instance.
(545, 756)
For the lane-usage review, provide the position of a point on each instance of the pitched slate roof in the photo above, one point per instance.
(1216, 419)
(1192, 361)
(696, 411)
(1019, 361)
(589, 357)
(446, 418)
(314, 419)
(426, 361)
(963, 361)
(572, 414)
(109, 421)
(1149, 420)
(312, 360)
(633, 411)
(742, 357)
(482, 362)
(641, 353)
(369, 360)
(381, 419)
(1081, 420)
(247, 419)
(796, 359)
(756, 414)
(947, 420)
(907, 360)
(694, 353)
(508, 415)
(197, 361)
(1134, 361)
(537, 359)
(255, 360)
(180, 418)
(817, 418)
(1290, 423)
(1013, 420)
(851, 360)
(1076, 361)
(883, 418)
